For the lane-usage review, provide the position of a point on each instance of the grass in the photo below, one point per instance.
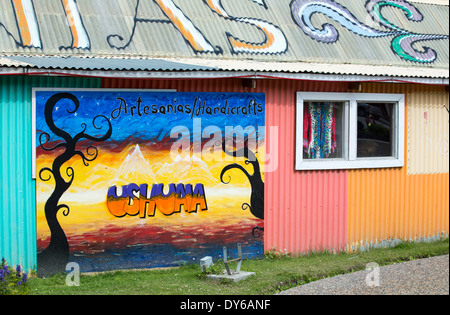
(275, 272)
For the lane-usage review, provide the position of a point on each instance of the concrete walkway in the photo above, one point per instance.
(429, 276)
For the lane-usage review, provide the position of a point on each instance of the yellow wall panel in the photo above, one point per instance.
(428, 142)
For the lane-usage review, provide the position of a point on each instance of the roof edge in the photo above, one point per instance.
(121, 65)
(206, 75)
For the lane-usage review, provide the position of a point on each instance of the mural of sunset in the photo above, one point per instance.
(146, 179)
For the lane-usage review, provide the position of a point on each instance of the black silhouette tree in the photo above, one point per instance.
(55, 257)
(256, 205)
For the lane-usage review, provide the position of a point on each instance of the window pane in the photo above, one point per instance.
(375, 129)
(322, 130)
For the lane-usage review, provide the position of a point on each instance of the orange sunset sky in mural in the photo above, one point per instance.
(89, 215)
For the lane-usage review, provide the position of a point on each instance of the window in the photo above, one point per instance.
(349, 130)
(322, 130)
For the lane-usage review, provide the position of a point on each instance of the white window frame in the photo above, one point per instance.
(349, 158)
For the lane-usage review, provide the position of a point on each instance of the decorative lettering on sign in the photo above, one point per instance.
(189, 31)
(402, 44)
(275, 40)
(192, 35)
(80, 38)
(195, 109)
(143, 201)
(28, 26)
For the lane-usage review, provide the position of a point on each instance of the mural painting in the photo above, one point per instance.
(136, 179)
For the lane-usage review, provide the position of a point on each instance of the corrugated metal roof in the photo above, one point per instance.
(293, 35)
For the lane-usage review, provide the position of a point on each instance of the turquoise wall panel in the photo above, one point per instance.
(18, 189)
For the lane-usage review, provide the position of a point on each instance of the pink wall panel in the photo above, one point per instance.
(305, 211)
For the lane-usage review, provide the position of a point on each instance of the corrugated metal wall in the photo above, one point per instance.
(428, 141)
(384, 204)
(18, 190)
(305, 210)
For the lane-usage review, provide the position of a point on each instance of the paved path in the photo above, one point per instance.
(429, 276)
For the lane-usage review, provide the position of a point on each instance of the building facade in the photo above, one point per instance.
(153, 133)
